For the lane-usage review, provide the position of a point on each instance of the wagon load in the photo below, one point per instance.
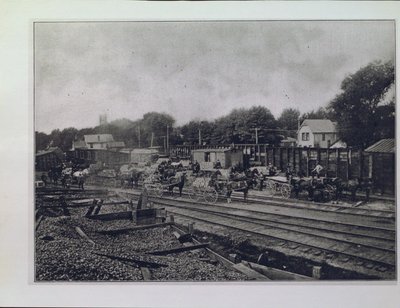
(107, 173)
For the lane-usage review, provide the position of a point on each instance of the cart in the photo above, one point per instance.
(157, 186)
(209, 190)
(279, 185)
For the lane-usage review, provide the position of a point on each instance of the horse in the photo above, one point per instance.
(352, 186)
(136, 175)
(180, 176)
(168, 173)
(79, 177)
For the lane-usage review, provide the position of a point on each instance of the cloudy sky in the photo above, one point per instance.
(195, 70)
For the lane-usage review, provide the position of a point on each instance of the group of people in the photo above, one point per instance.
(59, 173)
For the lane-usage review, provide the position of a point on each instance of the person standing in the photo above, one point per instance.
(261, 181)
(81, 182)
(317, 170)
(44, 178)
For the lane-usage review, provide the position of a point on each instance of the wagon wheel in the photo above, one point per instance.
(271, 186)
(158, 190)
(330, 192)
(194, 193)
(210, 195)
(286, 190)
(149, 189)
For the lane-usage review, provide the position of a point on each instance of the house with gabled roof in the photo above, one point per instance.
(319, 133)
(98, 141)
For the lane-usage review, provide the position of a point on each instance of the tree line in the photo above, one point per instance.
(364, 112)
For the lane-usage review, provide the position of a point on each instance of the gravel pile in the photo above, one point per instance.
(62, 255)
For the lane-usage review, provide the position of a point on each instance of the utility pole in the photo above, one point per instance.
(152, 138)
(167, 139)
(165, 143)
(256, 134)
(199, 136)
(139, 135)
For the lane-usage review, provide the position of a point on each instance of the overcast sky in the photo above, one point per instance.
(195, 70)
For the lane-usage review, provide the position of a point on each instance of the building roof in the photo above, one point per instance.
(213, 150)
(338, 144)
(98, 138)
(320, 125)
(79, 144)
(382, 146)
(288, 139)
(116, 144)
(144, 151)
(54, 150)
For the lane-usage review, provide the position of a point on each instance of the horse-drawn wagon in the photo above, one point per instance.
(156, 185)
(210, 187)
(318, 189)
(279, 185)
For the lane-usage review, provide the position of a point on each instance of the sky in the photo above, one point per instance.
(195, 70)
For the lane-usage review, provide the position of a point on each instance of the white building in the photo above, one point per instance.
(317, 133)
(99, 141)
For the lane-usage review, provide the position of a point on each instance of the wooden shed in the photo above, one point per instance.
(381, 165)
(208, 157)
(142, 156)
(45, 160)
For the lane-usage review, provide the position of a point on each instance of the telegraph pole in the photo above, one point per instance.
(167, 139)
(256, 134)
(139, 135)
(152, 138)
(199, 136)
(165, 143)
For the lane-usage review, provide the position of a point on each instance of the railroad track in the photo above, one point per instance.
(310, 213)
(370, 238)
(379, 250)
(321, 207)
(298, 204)
(365, 236)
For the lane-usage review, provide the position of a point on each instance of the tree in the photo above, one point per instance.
(67, 137)
(42, 140)
(190, 132)
(157, 123)
(240, 126)
(288, 120)
(362, 115)
(320, 113)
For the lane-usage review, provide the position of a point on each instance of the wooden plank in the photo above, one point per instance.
(178, 249)
(146, 273)
(38, 222)
(252, 274)
(112, 216)
(224, 261)
(82, 201)
(125, 230)
(79, 205)
(136, 262)
(276, 274)
(83, 235)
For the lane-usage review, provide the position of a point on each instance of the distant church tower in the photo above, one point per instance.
(103, 119)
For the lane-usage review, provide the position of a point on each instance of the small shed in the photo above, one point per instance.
(45, 160)
(142, 156)
(227, 157)
(381, 165)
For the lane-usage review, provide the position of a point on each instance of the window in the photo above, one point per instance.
(305, 136)
(207, 156)
(91, 145)
(323, 137)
